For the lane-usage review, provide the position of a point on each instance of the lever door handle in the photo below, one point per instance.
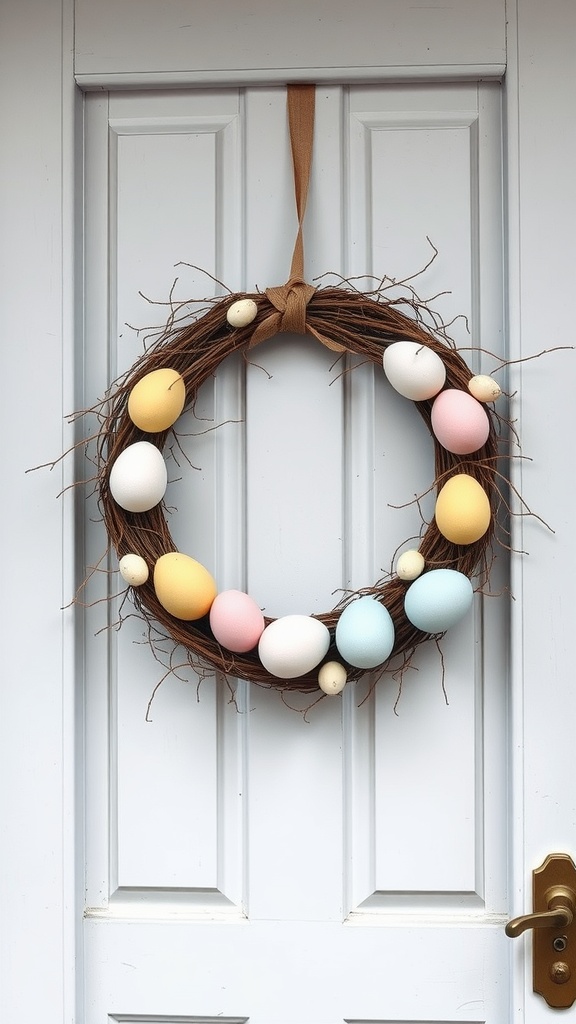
(554, 923)
(561, 905)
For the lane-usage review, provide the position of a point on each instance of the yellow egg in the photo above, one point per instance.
(157, 400)
(183, 586)
(462, 510)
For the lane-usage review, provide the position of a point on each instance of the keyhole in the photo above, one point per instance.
(560, 943)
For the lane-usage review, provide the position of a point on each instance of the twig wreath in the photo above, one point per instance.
(431, 588)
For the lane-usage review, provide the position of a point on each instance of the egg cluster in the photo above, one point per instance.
(295, 645)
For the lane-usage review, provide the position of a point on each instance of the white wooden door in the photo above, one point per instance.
(247, 864)
(293, 863)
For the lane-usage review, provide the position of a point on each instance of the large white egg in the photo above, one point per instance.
(293, 645)
(138, 478)
(414, 370)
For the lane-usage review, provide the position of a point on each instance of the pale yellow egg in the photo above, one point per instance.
(183, 586)
(462, 510)
(242, 313)
(156, 401)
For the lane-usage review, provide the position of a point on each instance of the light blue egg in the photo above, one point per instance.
(365, 633)
(438, 600)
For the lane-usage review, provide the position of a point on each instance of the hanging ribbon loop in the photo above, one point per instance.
(291, 299)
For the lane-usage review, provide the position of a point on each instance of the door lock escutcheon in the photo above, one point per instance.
(553, 921)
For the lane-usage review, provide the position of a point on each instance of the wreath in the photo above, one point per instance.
(431, 587)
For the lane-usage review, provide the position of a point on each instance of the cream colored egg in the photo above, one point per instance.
(332, 678)
(133, 569)
(410, 565)
(242, 313)
(484, 388)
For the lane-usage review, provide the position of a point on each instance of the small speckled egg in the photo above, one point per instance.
(410, 564)
(462, 510)
(242, 313)
(236, 621)
(293, 645)
(414, 370)
(484, 388)
(157, 400)
(183, 586)
(133, 569)
(138, 478)
(459, 422)
(332, 678)
(438, 600)
(365, 633)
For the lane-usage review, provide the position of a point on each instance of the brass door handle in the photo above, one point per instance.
(561, 906)
(554, 924)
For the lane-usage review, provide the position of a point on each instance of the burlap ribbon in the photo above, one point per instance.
(291, 299)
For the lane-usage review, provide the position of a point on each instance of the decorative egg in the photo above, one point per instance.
(414, 370)
(462, 510)
(133, 569)
(236, 621)
(138, 478)
(438, 600)
(157, 400)
(484, 388)
(410, 564)
(183, 586)
(293, 645)
(365, 633)
(242, 313)
(459, 422)
(332, 678)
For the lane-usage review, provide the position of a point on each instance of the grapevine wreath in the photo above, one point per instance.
(430, 588)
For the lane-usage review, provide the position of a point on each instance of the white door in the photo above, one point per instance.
(239, 862)
(242, 859)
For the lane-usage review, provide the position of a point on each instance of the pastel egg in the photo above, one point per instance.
(459, 422)
(236, 621)
(184, 588)
(484, 388)
(332, 678)
(157, 400)
(293, 645)
(462, 510)
(138, 478)
(410, 564)
(133, 569)
(414, 370)
(242, 313)
(438, 600)
(365, 633)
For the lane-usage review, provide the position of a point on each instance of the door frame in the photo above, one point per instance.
(41, 730)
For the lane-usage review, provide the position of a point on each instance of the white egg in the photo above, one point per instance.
(242, 313)
(332, 678)
(138, 478)
(133, 569)
(410, 565)
(293, 645)
(484, 388)
(414, 370)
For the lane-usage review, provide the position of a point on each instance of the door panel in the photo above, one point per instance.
(234, 846)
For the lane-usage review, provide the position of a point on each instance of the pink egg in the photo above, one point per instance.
(459, 422)
(236, 621)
